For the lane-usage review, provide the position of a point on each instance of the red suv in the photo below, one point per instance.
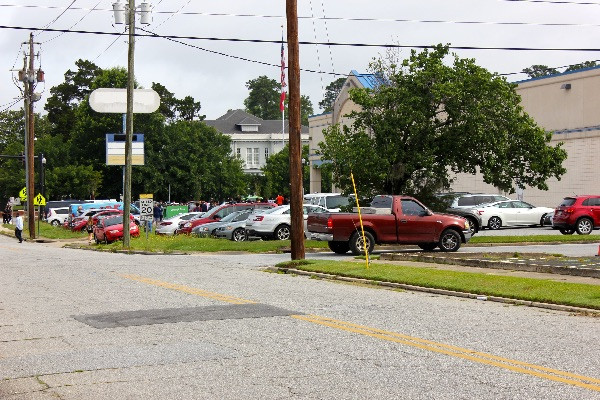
(579, 214)
(216, 213)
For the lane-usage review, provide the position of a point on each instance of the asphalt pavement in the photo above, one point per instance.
(79, 324)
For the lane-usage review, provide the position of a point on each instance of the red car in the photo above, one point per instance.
(110, 229)
(579, 214)
(216, 213)
(79, 223)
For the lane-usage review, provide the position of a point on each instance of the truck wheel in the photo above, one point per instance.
(449, 240)
(428, 246)
(282, 232)
(358, 247)
(339, 247)
(584, 226)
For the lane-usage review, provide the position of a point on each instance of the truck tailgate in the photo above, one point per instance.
(317, 222)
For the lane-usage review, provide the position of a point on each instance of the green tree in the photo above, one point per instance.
(306, 109)
(331, 93)
(73, 181)
(263, 99)
(585, 64)
(277, 172)
(426, 119)
(536, 71)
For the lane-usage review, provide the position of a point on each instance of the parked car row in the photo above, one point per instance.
(579, 214)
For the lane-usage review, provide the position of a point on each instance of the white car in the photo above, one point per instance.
(512, 213)
(168, 226)
(57, 216)
(331, 201)
(275, 223)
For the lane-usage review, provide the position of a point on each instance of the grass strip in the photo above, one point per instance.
(540, 290)
(48, 231)
(169, 244)
(534, 239)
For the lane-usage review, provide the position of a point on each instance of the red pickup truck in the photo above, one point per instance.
(390, 219)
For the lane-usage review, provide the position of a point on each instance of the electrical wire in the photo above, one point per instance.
(56, 19)
(339, 44)
(236, 57)
(363, 19)
(9, 106)
(75, 24)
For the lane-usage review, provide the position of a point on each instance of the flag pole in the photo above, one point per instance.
(282, 98)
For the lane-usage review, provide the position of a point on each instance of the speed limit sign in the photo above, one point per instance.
(146, 205)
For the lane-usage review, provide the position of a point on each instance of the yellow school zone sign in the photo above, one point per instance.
(39, 200)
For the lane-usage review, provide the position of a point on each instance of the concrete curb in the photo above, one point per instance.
(503, 264)
(443, 292)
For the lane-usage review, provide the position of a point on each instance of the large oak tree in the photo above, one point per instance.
(427, 120)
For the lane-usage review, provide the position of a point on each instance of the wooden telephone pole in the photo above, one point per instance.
(296, 198)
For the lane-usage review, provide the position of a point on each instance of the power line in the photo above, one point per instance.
(56, 19)
(75, 24)
(360, 19)
(235, 57)
(586, 3)
(339, 44)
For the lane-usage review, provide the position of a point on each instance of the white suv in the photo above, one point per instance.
(57, 216)
(470, 200)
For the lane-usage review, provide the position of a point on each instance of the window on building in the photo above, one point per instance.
(239, 153)
(252, 157)
(266, 154)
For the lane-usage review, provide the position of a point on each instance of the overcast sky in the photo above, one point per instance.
(218, 81)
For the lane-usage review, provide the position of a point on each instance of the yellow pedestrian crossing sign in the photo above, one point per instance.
(23, 194)
(39, 200)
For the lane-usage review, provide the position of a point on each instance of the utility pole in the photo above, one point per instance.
(129, 131)
(296, 198)
(29, 77)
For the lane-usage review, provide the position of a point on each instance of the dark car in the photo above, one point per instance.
(579, 214)
(463, 205)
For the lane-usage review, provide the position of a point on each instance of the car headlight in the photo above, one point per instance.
(187, 225)
(229, 228)
(204, 229)
(467, 225)
(114, 231)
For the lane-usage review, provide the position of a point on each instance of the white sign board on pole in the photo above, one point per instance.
(110, 100)
(146, 207)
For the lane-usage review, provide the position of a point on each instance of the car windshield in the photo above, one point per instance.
(113, 220)
(232, 216)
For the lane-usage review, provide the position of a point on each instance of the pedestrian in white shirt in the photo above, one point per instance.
(19, 228)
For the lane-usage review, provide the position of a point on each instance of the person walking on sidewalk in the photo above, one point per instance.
(19, 228)
(89, 227)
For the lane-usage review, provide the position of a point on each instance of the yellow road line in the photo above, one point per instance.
(189, 290)
(455, 351)
(479, 357)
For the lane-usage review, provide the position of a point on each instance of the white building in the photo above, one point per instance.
(253, 139)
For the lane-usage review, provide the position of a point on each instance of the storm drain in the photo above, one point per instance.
(186, 314)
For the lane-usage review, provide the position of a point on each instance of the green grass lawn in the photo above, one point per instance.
(191, 243)
(48, 231)
(573, 294)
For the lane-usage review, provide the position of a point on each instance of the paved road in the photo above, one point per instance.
(76, 324)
